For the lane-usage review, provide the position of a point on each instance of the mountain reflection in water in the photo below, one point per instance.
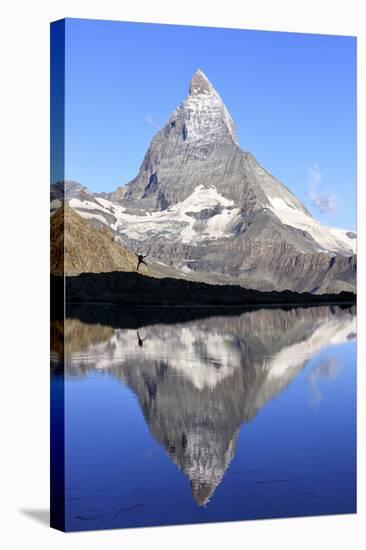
(197, 381)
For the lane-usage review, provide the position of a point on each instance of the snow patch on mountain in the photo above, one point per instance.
(328, 239)
(184, 221)
(345, 235)
(88, 205)
(177, 222)
(205, 215)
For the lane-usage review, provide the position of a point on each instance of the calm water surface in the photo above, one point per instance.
(187, 416)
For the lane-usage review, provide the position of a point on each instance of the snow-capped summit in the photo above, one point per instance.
(200, 84)
(204, 112)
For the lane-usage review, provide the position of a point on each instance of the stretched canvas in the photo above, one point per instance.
(203, 274)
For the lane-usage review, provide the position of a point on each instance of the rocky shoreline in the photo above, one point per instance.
(129, 288)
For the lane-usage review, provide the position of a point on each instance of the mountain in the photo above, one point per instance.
(198, 381)
(80, 244)
(77, 247)
(204, 206)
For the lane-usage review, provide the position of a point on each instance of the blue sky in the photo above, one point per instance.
(292, 98)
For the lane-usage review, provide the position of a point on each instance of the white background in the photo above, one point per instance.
(24, 218)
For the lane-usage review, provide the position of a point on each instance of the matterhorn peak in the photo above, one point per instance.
(204, 114)
(200, 84)
(203, 206)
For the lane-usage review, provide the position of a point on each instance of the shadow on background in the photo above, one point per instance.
(42, 516)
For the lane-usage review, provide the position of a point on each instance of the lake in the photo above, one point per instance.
(201, 415)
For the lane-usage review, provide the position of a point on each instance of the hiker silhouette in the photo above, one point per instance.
(140, 340)
(140, 260)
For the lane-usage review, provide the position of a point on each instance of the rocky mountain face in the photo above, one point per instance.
(204, 206)
(198, 381)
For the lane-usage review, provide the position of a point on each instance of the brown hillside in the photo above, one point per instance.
(78, 247)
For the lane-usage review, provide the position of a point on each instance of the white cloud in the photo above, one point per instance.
(323, 201)
(327, 369)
